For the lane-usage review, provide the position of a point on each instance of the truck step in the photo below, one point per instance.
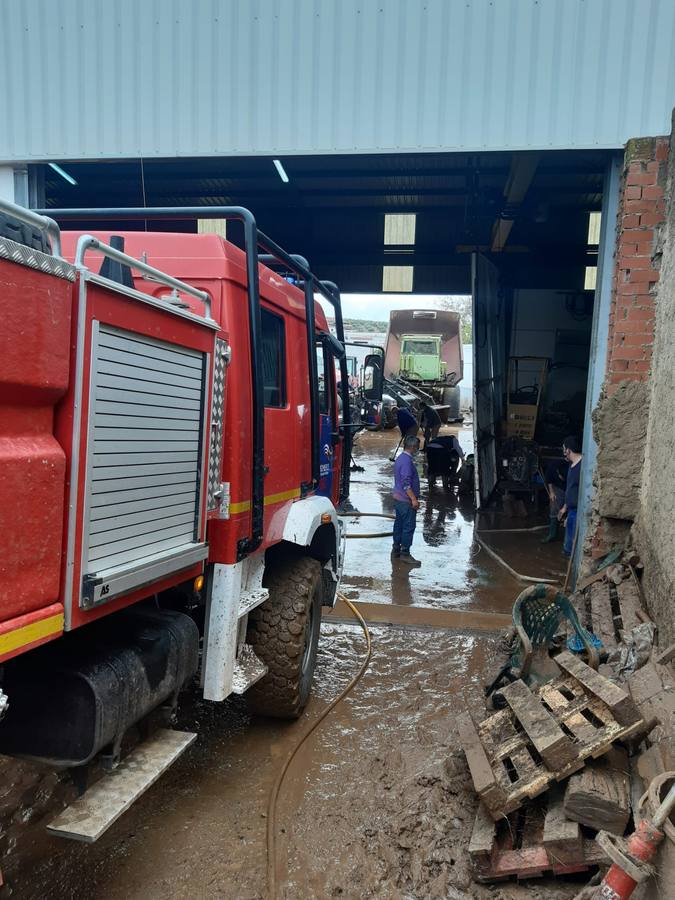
(250, 599)
(95, 811)
(247, 670)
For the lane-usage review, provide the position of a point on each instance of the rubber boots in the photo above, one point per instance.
(552, 530)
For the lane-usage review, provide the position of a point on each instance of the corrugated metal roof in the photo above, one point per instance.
(122, 78)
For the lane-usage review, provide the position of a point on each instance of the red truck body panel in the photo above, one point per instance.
(41, 404)
(34, 368)
(212, 264)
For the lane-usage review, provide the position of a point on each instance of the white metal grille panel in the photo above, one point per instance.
(145, 448)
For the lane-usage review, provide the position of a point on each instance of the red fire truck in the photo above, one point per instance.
(171, 463)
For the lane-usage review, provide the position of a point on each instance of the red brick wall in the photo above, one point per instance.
(636, 273)
(639, 235)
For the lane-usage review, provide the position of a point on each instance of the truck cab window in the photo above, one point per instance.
(273, 360)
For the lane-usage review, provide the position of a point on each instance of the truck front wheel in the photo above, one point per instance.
(284, 633)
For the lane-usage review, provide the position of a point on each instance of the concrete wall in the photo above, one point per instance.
(654, 531)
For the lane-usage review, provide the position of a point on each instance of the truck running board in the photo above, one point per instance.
(95, 811)
(248, 669)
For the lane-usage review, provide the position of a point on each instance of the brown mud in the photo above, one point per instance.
(379, 802)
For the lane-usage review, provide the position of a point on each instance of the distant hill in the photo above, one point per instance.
(369, 326)
(365, 325)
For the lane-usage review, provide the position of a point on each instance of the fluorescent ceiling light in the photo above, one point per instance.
(397, 279)
(590, 278)
(280, 169)
(594, 220)
(62, 173)
(399, 228)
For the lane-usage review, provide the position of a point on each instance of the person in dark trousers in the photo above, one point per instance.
(406, 421)
(555, 479)
(444, 455)
(406, 500)
(430, 421)
(572, 453)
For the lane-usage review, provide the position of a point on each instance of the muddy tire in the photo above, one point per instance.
(284, 632)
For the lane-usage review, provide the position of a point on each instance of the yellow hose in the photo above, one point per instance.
(276, 787)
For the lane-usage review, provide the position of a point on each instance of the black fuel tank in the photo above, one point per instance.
(70, 699)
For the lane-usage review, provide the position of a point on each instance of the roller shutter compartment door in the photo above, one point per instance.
(144, 451)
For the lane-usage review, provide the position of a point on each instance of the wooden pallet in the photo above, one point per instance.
(543, 737)
(532, 842)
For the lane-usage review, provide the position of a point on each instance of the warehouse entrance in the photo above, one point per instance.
(519, 231)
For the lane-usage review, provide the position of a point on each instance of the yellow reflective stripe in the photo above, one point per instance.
(28, 634)
(284, 495)
(270, 499)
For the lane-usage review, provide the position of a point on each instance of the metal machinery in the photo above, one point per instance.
(169, 467)
(423, 356)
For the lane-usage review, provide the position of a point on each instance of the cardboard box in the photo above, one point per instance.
(521, 420)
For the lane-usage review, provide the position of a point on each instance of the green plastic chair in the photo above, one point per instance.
(537, 615)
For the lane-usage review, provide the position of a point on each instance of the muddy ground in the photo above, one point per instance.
(379, 803)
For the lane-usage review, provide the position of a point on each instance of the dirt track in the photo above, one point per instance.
(378, 804)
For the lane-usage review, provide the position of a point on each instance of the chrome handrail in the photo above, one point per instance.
(89, 242)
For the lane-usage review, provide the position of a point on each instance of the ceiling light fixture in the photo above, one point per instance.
(280, 169)
(62, 173)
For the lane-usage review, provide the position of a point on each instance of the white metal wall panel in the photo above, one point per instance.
(144, 450)
(128, 78)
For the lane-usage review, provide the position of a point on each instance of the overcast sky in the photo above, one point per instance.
(377, 306)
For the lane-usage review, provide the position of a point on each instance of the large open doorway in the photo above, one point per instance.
(519, 231)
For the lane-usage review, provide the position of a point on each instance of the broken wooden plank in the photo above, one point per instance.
(599, 796)
(505, 763)
(552, 744)
(601, 614)
(629, 603)
(589, 580)
(616, 698)
(562, 837)
(519, 848)
(479, 765)
(654, 761)
(653, 690)
(483, 834)
(665, 656)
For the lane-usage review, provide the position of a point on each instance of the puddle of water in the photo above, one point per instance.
(455, 572)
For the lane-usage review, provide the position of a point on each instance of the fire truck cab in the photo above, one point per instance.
(172, 465)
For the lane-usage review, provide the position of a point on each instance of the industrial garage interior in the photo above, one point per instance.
(519, 231)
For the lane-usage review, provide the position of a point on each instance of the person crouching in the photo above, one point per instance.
(406, 500)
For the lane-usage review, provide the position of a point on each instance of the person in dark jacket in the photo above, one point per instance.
(430, 421)
(572, 453)
(555, 479)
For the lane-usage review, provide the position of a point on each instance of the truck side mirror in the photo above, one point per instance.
(336, 348)
(373, 377)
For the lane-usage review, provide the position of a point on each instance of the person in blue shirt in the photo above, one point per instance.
(406, 500)
(572, 453)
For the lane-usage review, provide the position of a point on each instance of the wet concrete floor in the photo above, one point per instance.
(379, 802)
(456, 572)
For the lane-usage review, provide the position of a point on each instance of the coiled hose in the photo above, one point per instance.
(276, 787)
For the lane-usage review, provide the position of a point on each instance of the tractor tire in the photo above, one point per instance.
(284, 633)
